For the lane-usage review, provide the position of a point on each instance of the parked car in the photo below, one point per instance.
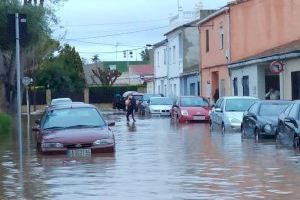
(117, 102)
(191, 108)
(160, 106)
(227, 113)
(288, 132)
(261, 119)
(58, 101)
(74, 129)
(144, 102)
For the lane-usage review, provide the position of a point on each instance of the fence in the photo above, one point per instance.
(94, 95)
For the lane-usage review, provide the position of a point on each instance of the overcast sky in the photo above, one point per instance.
(89, 24)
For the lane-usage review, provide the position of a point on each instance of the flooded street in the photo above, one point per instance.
(155, 159)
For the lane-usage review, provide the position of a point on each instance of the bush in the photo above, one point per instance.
(5, 123)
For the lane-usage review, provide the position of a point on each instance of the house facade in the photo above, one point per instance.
(257, 49)
(215, 54)
(176, 59)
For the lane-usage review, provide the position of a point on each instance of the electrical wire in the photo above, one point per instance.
(117, 34)
(116, 23)
(104, 44)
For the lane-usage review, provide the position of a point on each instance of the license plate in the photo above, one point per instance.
(79, 152)
(199, 118)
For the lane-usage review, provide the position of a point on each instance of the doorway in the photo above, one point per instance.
(215, 85)
(272, 81)
(295, 85)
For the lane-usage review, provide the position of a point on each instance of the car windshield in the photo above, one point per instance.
(238, 105)
(138, 97)
(147, 97)
(72, 117)
(193, 102)
(272, 109)
(161, 101)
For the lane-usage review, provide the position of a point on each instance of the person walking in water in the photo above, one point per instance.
(131, 104)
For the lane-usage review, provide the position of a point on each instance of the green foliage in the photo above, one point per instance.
(5, 124)
(145, 55)
(64, 72)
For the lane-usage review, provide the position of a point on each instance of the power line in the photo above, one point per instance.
(111, 52)
(116, 23)
(104, 44)
(116, 34)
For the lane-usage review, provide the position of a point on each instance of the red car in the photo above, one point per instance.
(191, 108)
(76, 129)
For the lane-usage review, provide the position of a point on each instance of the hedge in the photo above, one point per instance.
(5, 123)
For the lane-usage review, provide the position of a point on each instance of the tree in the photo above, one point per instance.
(38, 46)
(64, 72)
(106, 76)
(145, 55)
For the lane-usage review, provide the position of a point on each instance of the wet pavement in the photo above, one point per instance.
(155, 159)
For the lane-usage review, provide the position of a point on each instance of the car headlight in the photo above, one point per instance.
(267, 128)
(235, 121)
(184, 113)
(52, 145)
(103, 142)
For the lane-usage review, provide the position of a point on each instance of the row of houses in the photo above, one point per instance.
(243, 49)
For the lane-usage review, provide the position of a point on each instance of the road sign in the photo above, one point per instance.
(277, 67)
(27, 81)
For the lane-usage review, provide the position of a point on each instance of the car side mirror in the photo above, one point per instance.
(111, 123)
(38, 122)
(218, 109)
(290, 120)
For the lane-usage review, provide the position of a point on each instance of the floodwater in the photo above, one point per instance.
(155, 159)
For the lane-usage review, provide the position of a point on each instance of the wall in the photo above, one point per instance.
(174, 82)
(215, 56)
(175, 68)
(150, 87)
(190, 49)
(160, 63)
(252, 72)
(286, 78)
(259, 25)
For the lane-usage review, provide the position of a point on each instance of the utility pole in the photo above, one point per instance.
(17, 20)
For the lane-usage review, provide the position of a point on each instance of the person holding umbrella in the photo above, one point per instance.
(130, 107)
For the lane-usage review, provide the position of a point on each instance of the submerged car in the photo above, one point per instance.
(144, 102)
(227, 113)
(288, 131)
(261, 119)
(160, 106)
(191, 108)
(74, 129)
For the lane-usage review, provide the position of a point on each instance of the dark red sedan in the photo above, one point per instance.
(191, 108)
(76, 129)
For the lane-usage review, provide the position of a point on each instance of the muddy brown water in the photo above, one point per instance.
(154, 159)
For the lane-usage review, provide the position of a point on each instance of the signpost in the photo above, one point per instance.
(26, 82)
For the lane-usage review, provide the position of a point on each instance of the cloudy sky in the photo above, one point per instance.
(104, 26)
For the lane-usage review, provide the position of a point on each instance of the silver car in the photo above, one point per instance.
(160, 106)
(227, 113)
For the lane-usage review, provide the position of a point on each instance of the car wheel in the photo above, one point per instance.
(257, 135)
(296, 142)
(243, 134)
(223, 129)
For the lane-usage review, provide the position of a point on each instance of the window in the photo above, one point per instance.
(158, 59)
(159, 90)
(175, 91)
(174, 55)
(238, 105)
(295, 85)
(272, 109)
(165, 94)
(192, 89)
(245, 84)
(253, 109)
(180, 46)
(235, 86)
(207, 40)
(221, 37)
(165, 56)
(169, 55)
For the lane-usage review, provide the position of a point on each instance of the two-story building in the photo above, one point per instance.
(176, 59)
(215, 54)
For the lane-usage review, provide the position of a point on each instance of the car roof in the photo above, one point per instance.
(59, 99)
(71, 105)
(160, 98)
(240, 97)
(274, 102)
(191, 97)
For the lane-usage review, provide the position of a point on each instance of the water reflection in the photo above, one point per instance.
(163, 160)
